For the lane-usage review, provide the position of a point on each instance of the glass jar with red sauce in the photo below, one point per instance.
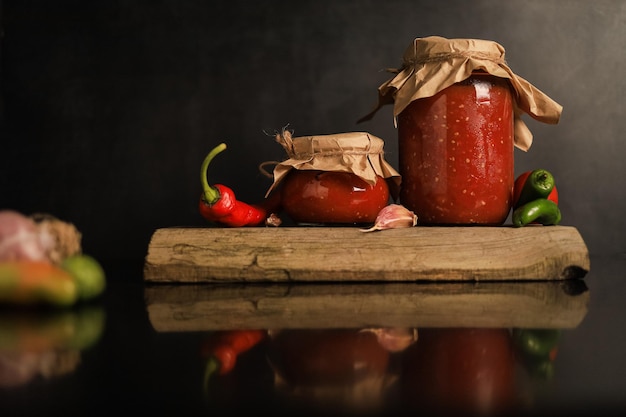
(457, 107)
(340, 179)
(325, 197)
(456, 153)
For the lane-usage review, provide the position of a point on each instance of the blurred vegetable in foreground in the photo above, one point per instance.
(41, 262)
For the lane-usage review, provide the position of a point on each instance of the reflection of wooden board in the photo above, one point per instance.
(542, 304)
(289, 254)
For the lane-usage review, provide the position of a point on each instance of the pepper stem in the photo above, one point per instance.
(542, 177)
(212, 367)
(210, 194)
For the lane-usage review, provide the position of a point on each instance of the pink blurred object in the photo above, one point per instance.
(21, 239)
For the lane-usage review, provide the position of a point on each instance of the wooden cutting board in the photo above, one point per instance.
(343, 254)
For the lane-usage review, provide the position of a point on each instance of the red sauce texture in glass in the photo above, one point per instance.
(329, 197)
(456, 153)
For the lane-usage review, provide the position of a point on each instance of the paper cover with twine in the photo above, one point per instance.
(433, 63)
(359, 153)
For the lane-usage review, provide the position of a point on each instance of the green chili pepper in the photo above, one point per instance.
(538, 184)
(536, 342)
(540, 211)
(538, 349)
(542, 369)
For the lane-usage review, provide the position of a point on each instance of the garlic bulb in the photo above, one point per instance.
(393, 216)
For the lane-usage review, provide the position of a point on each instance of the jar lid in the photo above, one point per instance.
(432, 64)
(359, 153)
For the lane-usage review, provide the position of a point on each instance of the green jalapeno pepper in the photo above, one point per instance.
(538, 349)
(541, 210)
(536, 342)
(539, 183)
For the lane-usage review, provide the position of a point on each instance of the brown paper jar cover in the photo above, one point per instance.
(434, 63)
(359, 153)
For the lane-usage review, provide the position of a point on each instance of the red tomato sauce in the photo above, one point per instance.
(456, 153)
(326, 197)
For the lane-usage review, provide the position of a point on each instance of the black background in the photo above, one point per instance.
(109, 107)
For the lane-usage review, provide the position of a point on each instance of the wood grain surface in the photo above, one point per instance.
(346, 254)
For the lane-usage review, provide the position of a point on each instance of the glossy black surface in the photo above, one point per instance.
(137, 364)
(108, 108)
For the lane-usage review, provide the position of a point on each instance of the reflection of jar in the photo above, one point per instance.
(334, 179)
(336, 371)
(324, 197)
(456, 153)
(460, 371)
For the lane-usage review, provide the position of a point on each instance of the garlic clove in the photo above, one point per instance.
(393, 216)
(273, 220)
(394, 339)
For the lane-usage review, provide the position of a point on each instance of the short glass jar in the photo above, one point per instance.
(339, 179)
(456, 153)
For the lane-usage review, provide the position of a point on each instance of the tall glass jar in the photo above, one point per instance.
(458, 109)
(456, 153)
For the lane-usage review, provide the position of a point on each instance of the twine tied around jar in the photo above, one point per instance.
(434, 63)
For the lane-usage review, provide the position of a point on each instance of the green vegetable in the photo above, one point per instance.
(541, 369)
(33, 331)
(538, 349)
(88, 273)
(536, 342)
(88, 325)
(538, 184)
(540, 211)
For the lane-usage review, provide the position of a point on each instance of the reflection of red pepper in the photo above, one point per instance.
(219, 204)
(223, 348)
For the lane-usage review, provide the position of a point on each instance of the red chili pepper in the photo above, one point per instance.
(553, 353)
(224, 347)
(219, 204)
